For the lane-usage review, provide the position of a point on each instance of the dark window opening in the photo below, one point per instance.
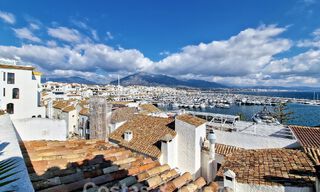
(10, 108)
(4, 76)
(10, 79)
(39, 116)
(4, 92)
(15, 93)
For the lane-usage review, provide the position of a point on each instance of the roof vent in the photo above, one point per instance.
(128, 135)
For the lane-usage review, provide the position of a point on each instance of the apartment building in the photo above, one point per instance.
(20, 92)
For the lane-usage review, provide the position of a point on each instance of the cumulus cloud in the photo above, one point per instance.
(303, 64)
(247, 58)
(25, 33)
(243, 54)
(81, 57)
(65, 34)
(7, 17)
(314, 42)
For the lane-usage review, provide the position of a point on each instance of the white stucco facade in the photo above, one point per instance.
(21, 90)
(71, 118)
(189, 144)
(40, 129)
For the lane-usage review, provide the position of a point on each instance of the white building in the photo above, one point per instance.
(20, 91)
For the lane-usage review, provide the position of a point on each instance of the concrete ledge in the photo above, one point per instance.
(10, 149)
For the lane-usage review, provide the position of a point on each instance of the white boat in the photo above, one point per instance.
(202, 106)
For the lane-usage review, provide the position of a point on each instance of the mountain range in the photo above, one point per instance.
(148, 79)
(68, 80)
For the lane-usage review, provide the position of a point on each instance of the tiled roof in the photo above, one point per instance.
(68, 165)
(193, 120)
(68, 108)
(147, 132)
(270, 167)
(5, 66)
(223, 149)
(60, 104)
(314, 154)
(149, 108)
(307, 136)
(84, 111)
(123, 114)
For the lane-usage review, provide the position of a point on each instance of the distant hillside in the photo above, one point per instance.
(67, 80)
(147, 79)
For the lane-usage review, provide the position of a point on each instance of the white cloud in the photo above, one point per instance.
(82, 57)
(243, 54)
(34, 26)
(95, 35)
(303, 64)
(164, 53)
(65, 34)
(25, 33)
(7, 17)
(315, 42)
(109, 35)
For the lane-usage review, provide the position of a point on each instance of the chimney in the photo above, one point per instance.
(229, 180)
(128, 135)
(212, 140)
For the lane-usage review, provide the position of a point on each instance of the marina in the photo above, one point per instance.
(305, 112)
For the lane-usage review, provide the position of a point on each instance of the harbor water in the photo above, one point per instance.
(304, 115)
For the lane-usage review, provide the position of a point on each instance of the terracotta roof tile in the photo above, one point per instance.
(69, 165)
(147, 132)
(84, 111)
(4, 66)
(149, 108)
(196, 121)
(270, 167)
(307, 136)
(123, 114)
(69, 108)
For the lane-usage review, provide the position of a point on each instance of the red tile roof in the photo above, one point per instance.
(284, 167)
(307, 136)
(147, 132)
(68, 165)
(193, 120)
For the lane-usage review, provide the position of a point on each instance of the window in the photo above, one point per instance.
(10, 108)
(4, 92)
(4, 76)
(15, 93)
(10, 79)
(39, 116)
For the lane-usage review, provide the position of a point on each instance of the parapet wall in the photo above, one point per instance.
(10, 150)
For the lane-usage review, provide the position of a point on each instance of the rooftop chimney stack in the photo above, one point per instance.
(128, 135)
(212, 139)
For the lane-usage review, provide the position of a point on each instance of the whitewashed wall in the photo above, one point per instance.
(189, 147)
(41, 129)
(169, 153)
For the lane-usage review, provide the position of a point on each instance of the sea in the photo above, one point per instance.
(304, 115)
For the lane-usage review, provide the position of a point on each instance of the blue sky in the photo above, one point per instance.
(233, 42)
